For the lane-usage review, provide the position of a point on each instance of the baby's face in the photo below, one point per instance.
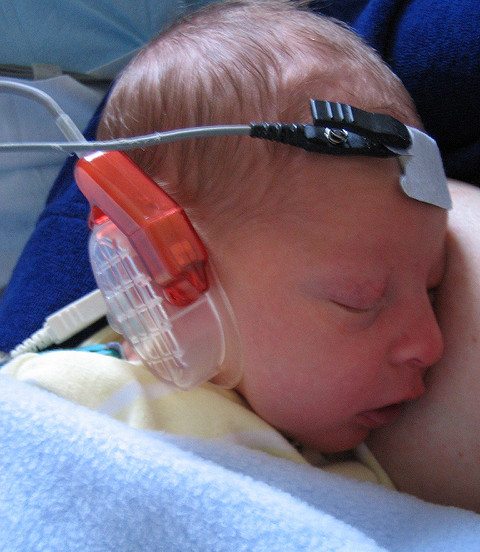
(333, 302)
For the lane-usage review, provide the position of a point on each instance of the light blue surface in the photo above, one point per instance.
(26, 178)
(81, 35)
(76, 35)
(72, 479)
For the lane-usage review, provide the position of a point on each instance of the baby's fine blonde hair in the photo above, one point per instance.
(235, 62)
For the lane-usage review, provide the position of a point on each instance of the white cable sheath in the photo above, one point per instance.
(65, 323)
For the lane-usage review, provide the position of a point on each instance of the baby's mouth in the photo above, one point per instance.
(386, 415)
(380, 417)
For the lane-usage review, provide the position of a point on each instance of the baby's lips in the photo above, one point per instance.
(380, 417)
(386, 415)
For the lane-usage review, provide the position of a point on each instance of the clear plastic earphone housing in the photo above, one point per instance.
(183, 345)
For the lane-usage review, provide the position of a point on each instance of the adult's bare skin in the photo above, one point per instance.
(433, 450)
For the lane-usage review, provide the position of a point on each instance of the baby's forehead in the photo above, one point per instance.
(326, 181)
(340, 196)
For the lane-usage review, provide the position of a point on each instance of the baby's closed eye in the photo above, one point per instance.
(354, 296)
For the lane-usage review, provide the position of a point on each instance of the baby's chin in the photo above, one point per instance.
(335, 441)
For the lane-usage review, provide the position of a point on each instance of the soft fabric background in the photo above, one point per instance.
(26, 178)
(81, 481)
(54, 37)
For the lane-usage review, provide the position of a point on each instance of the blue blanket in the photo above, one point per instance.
(72, 479)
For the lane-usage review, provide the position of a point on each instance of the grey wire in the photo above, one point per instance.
(130, 143)
(79, 145)
(33, 94)
(68, 128)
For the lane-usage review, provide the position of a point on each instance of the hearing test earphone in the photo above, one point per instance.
(152, 269)
(161, 292)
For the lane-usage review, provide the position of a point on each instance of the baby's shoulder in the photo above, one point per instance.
(84, 377)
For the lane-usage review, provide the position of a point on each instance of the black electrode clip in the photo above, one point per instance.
(374, 126)
(340, 129)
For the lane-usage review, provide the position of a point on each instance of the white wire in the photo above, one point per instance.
(36, 342)
(64, 323)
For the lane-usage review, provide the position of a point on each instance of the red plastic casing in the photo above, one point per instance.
(155, 225)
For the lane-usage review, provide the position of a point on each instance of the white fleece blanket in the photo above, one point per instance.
(75, 480)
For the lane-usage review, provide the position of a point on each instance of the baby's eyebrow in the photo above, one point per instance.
(361, 285)
(352, 280)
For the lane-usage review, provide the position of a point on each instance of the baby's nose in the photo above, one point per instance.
(420, 343)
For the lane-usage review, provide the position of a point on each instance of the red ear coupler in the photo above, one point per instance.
(157, 227)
